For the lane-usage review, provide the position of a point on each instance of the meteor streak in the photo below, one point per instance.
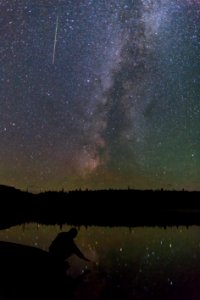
(55, 41)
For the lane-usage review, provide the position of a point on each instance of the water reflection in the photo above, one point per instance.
(142, 263)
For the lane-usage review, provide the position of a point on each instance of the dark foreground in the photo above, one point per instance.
(143, 263)
(102, 208)
(30, 273)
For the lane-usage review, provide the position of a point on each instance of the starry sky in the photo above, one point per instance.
(100, 94)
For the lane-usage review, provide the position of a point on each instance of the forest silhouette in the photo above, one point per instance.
(102, 208)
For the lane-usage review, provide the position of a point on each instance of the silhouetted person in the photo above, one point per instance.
(63, 246)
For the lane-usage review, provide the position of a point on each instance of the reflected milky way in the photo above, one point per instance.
(100, 94)
(141, 263)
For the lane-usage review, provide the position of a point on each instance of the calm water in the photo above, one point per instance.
(141, 263)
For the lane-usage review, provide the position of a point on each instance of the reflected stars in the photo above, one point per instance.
(145, 268)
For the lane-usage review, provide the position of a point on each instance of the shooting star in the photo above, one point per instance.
(55, 41)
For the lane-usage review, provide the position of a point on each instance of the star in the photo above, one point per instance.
(102, 94)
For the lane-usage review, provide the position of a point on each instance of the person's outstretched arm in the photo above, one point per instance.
(79, 253)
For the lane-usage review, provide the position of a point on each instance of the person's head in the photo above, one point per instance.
(73, 232)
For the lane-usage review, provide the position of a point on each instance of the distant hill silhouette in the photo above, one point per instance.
(125, 207)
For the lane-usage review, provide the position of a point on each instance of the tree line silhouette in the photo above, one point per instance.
(102, 208)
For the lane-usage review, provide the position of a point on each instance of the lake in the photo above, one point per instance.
(138, 263)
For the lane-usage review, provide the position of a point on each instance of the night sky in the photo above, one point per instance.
(97, 94)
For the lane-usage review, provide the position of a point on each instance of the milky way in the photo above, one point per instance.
(117, 104)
